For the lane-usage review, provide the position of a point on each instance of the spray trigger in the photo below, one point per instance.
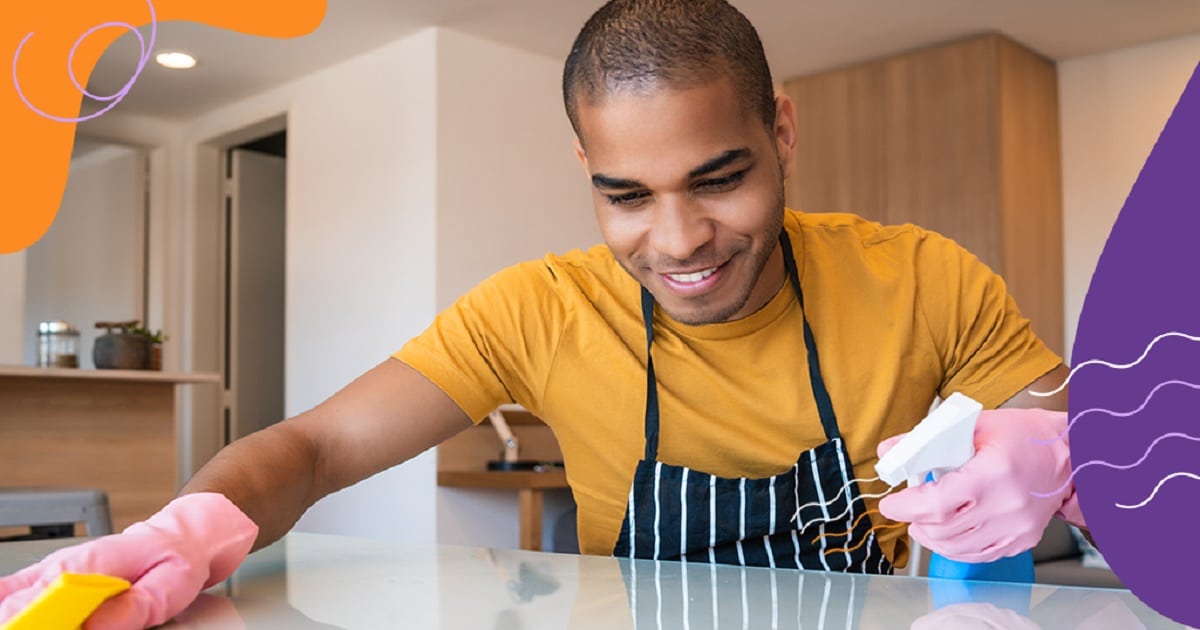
(942, 442)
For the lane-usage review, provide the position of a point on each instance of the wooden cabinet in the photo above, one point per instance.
(960, 138)
(111, 430)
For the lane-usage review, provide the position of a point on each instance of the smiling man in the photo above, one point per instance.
(719, 373)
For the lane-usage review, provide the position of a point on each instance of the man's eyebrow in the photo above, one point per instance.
(615, 183)
(719, 162)
(600, 180)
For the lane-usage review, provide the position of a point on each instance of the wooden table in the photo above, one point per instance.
(112, 430)
(529, 485)
(463, 459)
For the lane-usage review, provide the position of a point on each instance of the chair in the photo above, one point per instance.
(53, 512)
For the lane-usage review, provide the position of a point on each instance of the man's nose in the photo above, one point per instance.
(680, 228)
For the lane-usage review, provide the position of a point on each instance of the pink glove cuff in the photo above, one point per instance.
(1070, 511)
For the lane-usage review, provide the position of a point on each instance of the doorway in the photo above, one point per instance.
(252, 264)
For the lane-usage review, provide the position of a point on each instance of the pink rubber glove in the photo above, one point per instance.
(986, 510)
(194, 542)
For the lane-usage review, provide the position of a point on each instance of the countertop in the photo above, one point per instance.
(145, 376)
(314, 581)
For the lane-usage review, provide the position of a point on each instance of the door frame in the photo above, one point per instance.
(204, 404)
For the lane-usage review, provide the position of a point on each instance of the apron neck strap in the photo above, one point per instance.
(820, 394)
(651, 383)
(816, 382)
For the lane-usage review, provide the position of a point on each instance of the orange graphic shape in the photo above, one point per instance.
(37, 156)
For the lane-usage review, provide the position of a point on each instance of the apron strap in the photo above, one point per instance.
(820, 394)
(651, 423)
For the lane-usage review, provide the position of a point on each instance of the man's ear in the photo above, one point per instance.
(785, 131)
(581, 155)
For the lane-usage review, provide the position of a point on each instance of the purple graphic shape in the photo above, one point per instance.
(1146, 284)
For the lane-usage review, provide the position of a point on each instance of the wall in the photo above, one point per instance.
(509, 189)
(12, 308)
(360, 247)
(88, 266)
(1113, 108)
(414, 172)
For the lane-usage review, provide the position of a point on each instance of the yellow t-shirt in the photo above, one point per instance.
(900, 315)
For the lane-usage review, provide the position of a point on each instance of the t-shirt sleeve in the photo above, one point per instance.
(494, 345)
(988, 348)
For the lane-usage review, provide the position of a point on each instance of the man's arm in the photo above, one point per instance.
(1048, 382)
(386, 416)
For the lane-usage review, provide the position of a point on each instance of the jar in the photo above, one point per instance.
(58, 345)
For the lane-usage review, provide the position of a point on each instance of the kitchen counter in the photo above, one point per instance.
(112, 430)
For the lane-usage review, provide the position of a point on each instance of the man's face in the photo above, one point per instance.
(688, 190)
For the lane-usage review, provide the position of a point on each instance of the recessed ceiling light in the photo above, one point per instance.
(176, 60)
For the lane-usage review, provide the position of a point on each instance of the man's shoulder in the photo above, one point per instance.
(589, 271)
(840, 229)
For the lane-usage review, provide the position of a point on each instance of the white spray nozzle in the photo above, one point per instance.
(942, 442)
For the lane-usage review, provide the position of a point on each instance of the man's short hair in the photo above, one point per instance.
(641, 45)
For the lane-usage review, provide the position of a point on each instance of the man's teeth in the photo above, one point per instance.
(692, 277)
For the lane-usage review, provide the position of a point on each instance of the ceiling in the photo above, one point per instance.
(801, 37)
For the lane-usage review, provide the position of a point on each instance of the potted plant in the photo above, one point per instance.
(128, 346)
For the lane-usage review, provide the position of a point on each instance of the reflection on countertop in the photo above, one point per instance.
(315, 581)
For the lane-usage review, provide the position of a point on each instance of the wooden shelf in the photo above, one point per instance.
(143, 376)
(509, 480)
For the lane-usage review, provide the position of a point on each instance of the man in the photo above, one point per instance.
(718, 374)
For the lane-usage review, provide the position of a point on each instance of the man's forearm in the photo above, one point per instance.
(270, 475)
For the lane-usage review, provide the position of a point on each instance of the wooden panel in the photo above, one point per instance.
(530, 509)
(959, 138)
(940, 143)
(1031, 188)
(110, 435)
(839, 162)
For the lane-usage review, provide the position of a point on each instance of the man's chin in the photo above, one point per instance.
(700, 315)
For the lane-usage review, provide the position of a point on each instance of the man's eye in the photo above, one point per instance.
(627, 199)
(721, 184)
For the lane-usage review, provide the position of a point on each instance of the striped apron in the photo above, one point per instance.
(676, 513)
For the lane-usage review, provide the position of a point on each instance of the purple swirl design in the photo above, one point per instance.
(113, 99)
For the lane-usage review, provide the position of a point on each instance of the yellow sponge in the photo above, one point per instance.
(67, 602)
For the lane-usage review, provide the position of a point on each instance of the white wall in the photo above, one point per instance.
(509, 189)
(361, 202)
(509, 186)
(414, 172)
(360, 248)
(88, 265)
(1113, 108)
(12, 308)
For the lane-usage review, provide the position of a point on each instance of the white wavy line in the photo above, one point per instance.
(1114, 413)
(1115, 366)
(835, 497)
(1156, 488)
(1100, 462)
(848, 508)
